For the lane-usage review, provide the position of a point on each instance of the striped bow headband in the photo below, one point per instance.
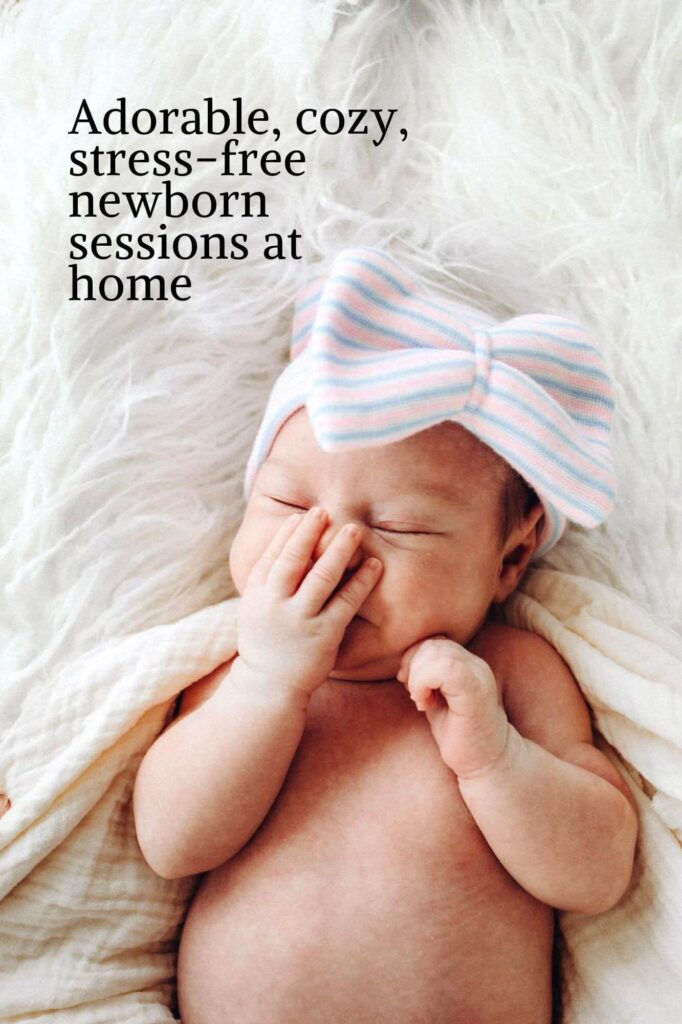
(375, 359)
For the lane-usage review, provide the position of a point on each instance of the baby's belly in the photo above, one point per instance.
(368, 895)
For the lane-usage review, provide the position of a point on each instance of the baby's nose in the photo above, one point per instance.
(327, 537)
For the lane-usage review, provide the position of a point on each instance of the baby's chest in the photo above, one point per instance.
(368, 785)
(367, 859)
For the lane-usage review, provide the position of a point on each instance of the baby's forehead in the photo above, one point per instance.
(443, 460)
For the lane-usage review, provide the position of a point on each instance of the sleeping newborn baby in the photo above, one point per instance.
(386, 790)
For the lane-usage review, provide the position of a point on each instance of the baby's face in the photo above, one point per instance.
(428, 507)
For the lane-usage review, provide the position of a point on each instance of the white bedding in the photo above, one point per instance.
(624, 965)
(87, 931)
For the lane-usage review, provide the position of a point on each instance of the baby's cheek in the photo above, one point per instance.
(235, 571)
(459, 604)
(413, 591)
(242, 557)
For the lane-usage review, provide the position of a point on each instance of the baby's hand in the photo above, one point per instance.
(289, 627)
(459, 695)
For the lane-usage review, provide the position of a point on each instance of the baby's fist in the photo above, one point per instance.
(459, 695)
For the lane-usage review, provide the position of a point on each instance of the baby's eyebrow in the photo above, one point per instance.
(445, 492)
(424, 503)
(287, 467)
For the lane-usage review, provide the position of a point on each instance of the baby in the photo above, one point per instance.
(387, 791)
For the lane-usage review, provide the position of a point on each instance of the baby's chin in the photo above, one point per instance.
(360, 659)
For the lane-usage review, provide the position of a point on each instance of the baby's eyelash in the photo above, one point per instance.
(416, 533)
(382, 529)
(288, 504)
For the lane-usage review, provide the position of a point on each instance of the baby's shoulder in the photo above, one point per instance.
(507, 649)
(540, 693)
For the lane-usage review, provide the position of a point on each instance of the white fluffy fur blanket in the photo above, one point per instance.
(540, 174)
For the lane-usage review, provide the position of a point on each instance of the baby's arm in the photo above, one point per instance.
(208, 781)
(551, 806)
(206, 784)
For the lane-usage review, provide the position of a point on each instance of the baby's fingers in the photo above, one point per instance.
(345, 603)
(327, 572)
(291, 562)
(417, 648)
(261, 570)
(425, 697)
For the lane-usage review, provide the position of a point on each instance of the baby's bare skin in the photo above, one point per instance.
(368, 895)
(387, 793)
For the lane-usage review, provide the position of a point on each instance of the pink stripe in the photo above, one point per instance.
(329, 316)
(503, 342)
(458, 376)
(377, 419)
(549, 470)
(364, 367)
(522, 421)
(569, 329)
(393, 319)
(533, 365)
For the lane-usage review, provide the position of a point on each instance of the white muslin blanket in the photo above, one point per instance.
(88, 933)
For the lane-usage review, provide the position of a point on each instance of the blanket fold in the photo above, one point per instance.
(623, 966)
(88, 932)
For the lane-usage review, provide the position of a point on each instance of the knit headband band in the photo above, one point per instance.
(375, 359)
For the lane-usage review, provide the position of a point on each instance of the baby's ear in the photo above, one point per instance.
(518, 550)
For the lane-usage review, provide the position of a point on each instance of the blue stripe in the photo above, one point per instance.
(581, 346)
(508, 396)
(391, 402)
(367, 321)
(604, 401)
(378, 378)
(360, 435)
(547, 424)
(503, 350)
(488, 322)
(505, 424)
(550, 453)
(351, 343)
(385, 357)
(529, 472)
(304, 303)
(566, 389)
(442, 307)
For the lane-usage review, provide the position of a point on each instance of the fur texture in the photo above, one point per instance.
(541, 172)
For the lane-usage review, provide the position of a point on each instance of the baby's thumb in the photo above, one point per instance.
(405, 662)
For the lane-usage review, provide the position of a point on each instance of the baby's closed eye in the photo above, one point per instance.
(405, 528)
(289, 503)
